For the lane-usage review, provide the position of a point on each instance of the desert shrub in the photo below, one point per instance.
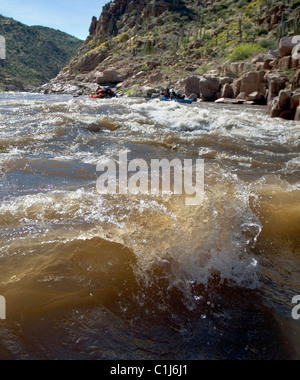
(270, 43)
(243, 51)
(204, 69)
(262, 32)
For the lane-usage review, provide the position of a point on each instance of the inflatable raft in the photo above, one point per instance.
(102, 97)
(183, 101)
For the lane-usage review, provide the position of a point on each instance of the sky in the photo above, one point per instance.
(70, 16)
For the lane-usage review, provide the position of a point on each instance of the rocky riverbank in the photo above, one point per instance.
(271, 79)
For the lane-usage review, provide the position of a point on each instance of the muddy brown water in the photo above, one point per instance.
(89, 276)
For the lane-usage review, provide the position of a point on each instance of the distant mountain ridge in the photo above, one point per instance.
(34, 55)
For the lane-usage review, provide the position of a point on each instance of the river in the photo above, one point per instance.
(91, 276)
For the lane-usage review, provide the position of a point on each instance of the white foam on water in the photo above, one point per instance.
(196, 242)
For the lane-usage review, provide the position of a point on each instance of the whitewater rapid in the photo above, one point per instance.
(85, 275)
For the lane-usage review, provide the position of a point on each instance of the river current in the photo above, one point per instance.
(91, 276)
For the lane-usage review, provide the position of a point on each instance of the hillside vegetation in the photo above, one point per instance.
(183, 35)
(34, 54)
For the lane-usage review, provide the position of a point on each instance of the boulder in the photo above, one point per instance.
(257, 98)
(227, 91)
(80, 78)
(247, 66)
(70, 89)
(242, 96)
(140, 74)
(295, 101)
(56, 88)
(296, 57)
(258, 59)
(285, 99)
(214, 83)
(267, 63)
(142, 92)
(192, 85)
(238, 68)
(274, 64)
(209, 88)
(109, 76)
(120, 85)
(276, 82)
(285, 63)
(287, 115)
(181, 83)
(88, 87)
(297, 115)
(254, 81)
(148, 92)
(236, 86)
(260, 66)
(213, 73)
(206, 93)
(296, 52)
(287, 45)
(296, 82)
(88, 62)
(156, 78)
(285, 105)
(226, 80)
(180, 86)
(234, 67)
(274, 109)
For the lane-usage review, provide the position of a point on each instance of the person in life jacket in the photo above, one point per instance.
(172, 94)
(166, 93)
(109, 92)
(105, 92)
(99, 90)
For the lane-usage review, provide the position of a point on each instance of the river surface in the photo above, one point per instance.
(90, 276)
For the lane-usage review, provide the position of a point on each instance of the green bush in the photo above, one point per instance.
(270, 43)
(204, 69)
(263, 31)
(243, 51)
